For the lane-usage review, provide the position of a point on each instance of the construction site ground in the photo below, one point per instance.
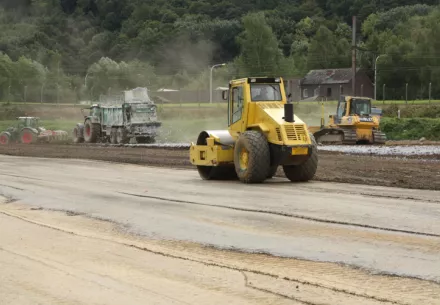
(410, 171)
(90, 232)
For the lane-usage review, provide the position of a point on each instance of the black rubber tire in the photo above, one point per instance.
(255, 143)
(5, 138)
(272, 171)
(305, 171)
(95, 130)
(145, 140)
(122, 136)
(77, 134)
(113, 136)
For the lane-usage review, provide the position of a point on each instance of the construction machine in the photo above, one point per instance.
(117, 119)
(263, 134)
(29, 131)
(354, 123)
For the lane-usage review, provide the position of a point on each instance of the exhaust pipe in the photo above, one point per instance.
(288, 113)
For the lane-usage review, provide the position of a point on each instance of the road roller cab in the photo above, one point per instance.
(263, 134)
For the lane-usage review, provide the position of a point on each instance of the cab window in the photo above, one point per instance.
(342, 108)
(265, 92)
(237, 103)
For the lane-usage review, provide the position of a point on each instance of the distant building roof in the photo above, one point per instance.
(328, 76)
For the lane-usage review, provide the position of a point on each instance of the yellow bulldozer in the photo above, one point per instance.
(263, 134)
(354, 123)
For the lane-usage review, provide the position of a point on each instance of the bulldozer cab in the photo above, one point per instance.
(349, 106)
(360, 106)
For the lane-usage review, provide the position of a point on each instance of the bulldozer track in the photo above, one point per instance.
(297, 216)
(241, 270)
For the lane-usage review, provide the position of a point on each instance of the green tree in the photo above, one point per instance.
(260, 53)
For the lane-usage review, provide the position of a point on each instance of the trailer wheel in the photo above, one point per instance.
(91, 132)
(122, 136)
(305, 171)
(114, 136)
(145, 140)
(252, 157)
(4, 138)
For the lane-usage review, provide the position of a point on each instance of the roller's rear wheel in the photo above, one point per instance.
(252, 157)
(4, 139)
(305, 171)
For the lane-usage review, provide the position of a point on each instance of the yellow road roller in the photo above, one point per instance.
(263, 134)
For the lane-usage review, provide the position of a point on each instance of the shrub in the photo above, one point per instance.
(411, 129)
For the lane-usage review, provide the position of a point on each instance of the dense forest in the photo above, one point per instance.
(75, 49)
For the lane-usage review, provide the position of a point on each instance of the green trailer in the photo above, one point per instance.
(117, 120)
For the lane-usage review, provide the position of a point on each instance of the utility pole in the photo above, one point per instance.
(353, 63)
(406, 93)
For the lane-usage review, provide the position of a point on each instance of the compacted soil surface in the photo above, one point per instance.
(414, 171)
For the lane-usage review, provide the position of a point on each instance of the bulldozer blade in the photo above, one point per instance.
(336, 138)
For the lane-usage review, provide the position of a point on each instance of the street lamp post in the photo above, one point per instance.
(375, 75)
(210, 81)
(85, 80)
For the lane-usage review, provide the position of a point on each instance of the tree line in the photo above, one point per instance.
(78, 49)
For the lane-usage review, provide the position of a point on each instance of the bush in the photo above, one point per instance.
(10, 112)
(411, 129)
(412, 111)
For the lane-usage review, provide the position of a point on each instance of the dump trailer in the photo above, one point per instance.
(117, 120)
(29, 131)
(263, 134)
(354, 123)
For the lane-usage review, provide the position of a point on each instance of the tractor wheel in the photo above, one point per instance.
(305, 171)
(91, 132)
(121, 136)
(4, 138)
(114, 136)
(252, 157)
(28, 136)
(77, 135)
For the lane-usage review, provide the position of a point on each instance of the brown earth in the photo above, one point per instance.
(336, 167)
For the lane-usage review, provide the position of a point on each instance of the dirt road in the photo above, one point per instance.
(419, 172)
(320, 243)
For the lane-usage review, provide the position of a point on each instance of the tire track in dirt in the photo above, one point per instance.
(243, 271)
(297, 216)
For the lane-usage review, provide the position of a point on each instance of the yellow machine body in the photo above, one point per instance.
(353, 124)
(265, 116)
(286, 135)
